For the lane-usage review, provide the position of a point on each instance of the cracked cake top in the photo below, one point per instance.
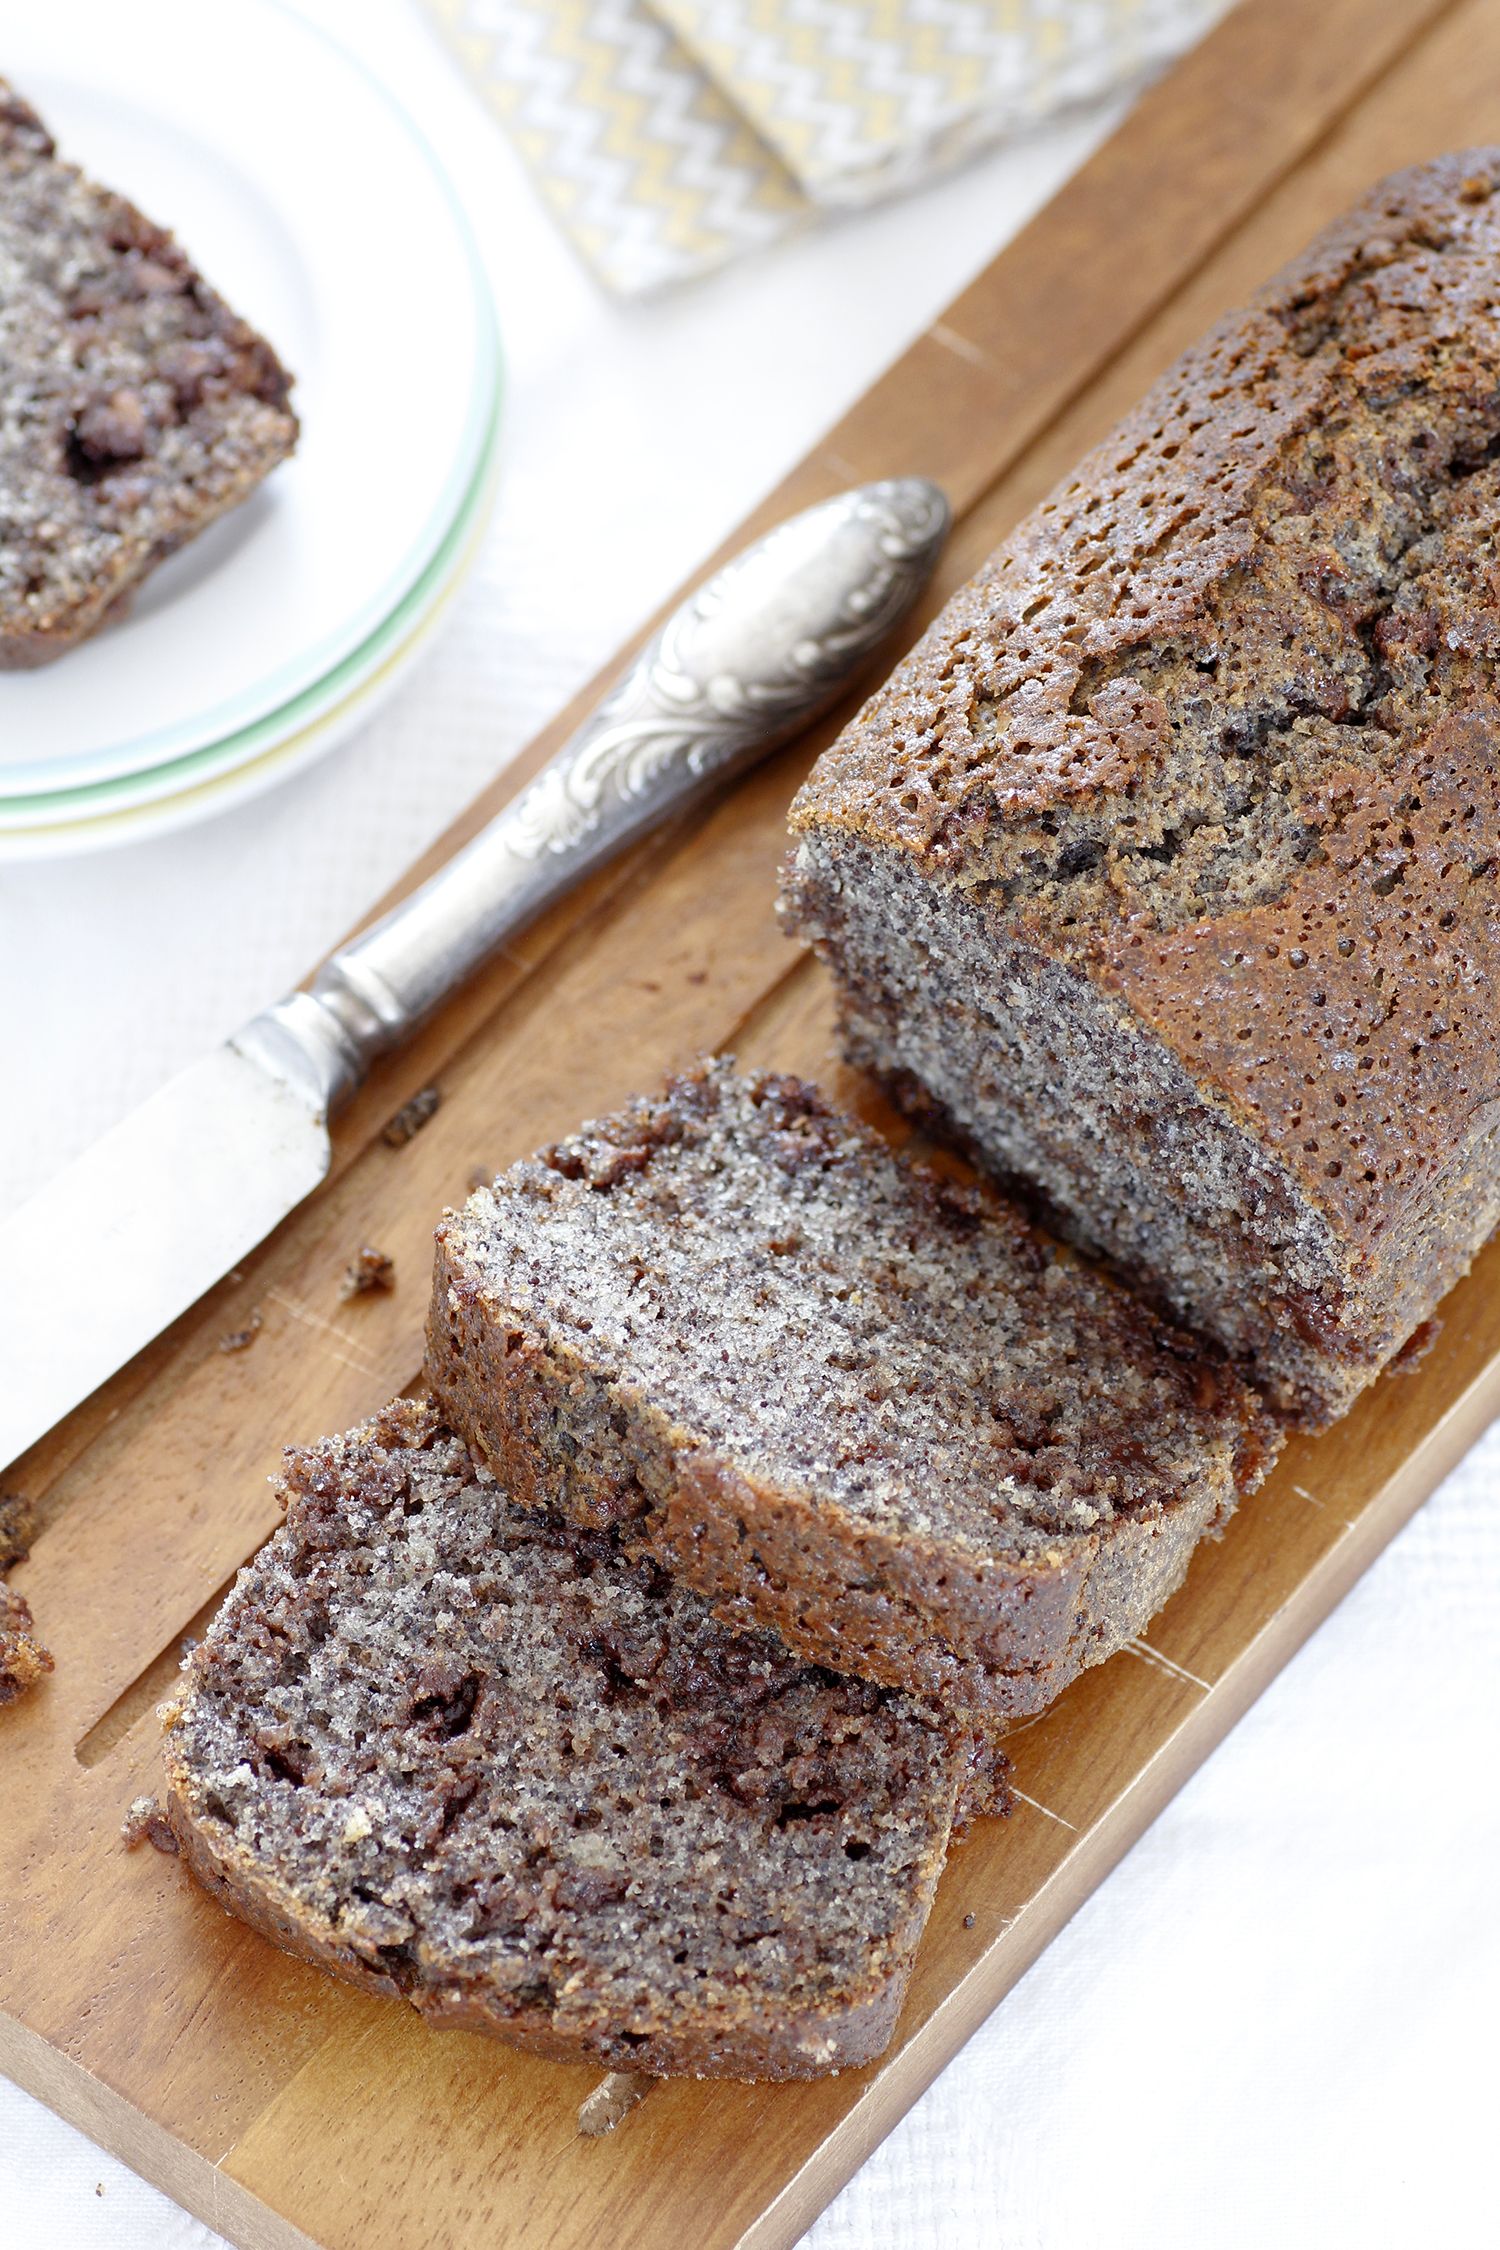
(1218, 723)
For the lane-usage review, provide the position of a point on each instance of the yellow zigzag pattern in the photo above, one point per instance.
(861, 96)
(670, 135)
(652, 170)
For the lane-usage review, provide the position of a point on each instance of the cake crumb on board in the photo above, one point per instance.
(17, 1528)
(240, 1339)
(146, 1823)
(369, 1273)
(23, 1660)
(411, 1117)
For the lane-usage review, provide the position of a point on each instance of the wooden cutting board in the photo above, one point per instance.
(284, 2109)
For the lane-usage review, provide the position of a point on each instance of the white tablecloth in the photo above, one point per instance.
(1274, 2023)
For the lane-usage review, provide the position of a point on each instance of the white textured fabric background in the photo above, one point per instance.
(1274, 2023)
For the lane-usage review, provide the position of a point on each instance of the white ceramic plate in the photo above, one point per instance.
(205, 788)
(299, 720)
(211, 781)
(308, 198)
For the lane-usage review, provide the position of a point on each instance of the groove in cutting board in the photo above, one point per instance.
(152, 1685)
(285, 2109)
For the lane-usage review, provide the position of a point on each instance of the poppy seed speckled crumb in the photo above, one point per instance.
(499, 1766)
(848, 1401)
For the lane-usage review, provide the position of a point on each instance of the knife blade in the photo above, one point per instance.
(119, 1244)
(99, 1263)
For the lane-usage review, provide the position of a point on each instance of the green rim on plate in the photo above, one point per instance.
(165, 816)
(88, 801)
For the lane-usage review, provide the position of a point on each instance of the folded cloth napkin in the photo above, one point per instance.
(672, 135)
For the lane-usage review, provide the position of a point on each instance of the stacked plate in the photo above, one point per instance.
(309, 199)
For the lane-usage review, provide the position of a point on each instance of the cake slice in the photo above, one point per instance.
(842, 1398)
(135, 407)
(466, 1754)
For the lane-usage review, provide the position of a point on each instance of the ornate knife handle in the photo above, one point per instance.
(744, 662)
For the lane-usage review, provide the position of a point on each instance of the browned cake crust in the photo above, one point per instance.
(1165, 867)
(135, 407)
(463, 1754)
(841, 1397)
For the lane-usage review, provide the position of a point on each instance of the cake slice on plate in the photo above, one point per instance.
(135, 407)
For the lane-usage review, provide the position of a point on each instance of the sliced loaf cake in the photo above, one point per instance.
(841, 1397)
(1165, 868)
(465, 1754)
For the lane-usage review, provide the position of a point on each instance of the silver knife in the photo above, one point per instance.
(115, 1247)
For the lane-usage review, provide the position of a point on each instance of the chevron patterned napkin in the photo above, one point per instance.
(672, 135)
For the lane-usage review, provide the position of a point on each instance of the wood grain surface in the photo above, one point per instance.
(285, 2109)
